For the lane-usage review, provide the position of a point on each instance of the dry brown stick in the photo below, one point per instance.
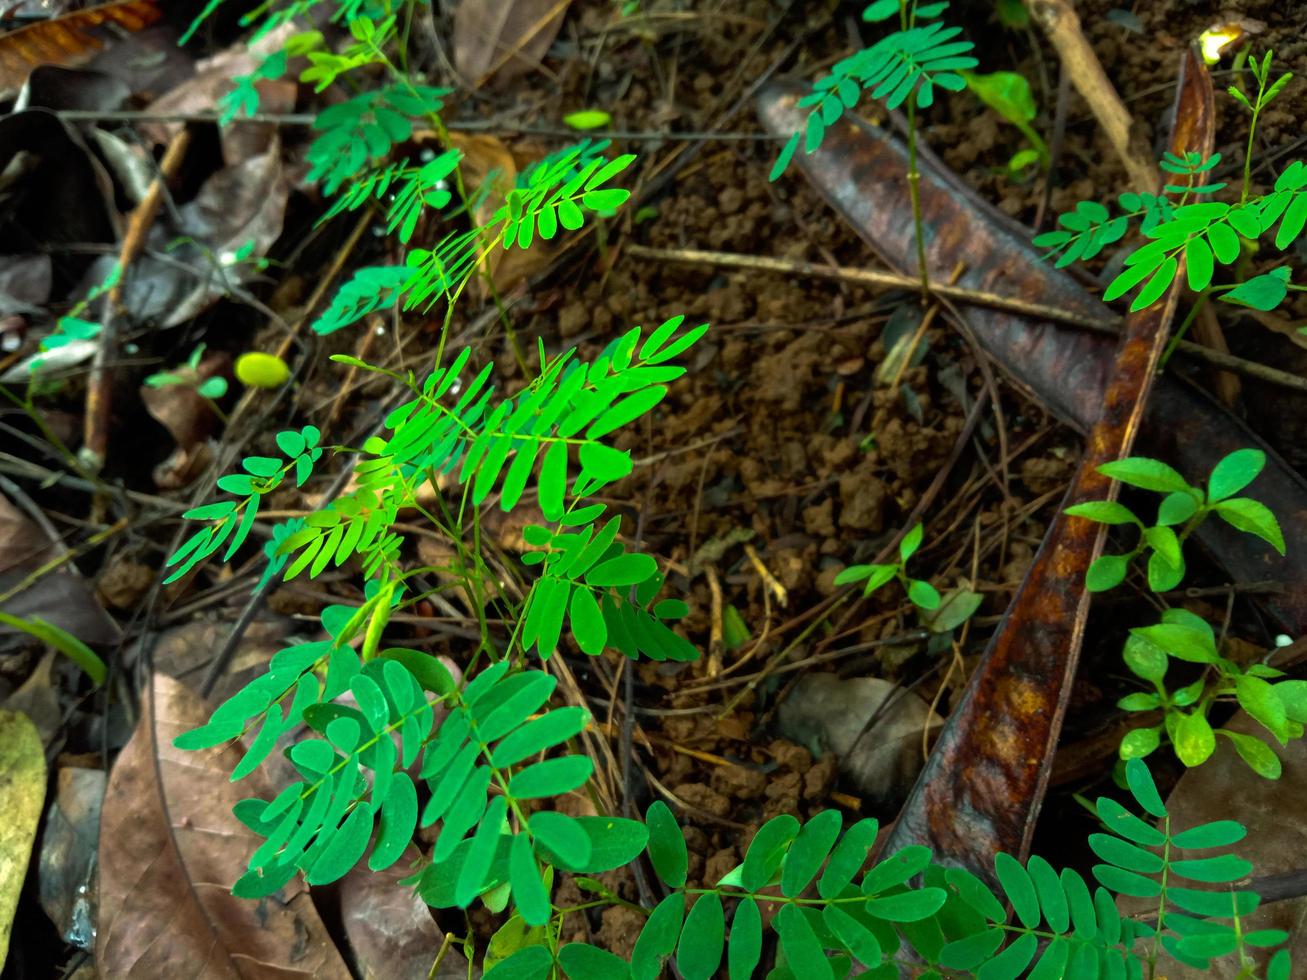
(892, 280)
(873, 278)
(1062, 26)
(99, 389)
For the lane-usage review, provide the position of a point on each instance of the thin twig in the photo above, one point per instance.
(99, 388)
(892, 280)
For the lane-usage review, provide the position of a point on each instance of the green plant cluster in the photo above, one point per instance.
(1280, 708)
(1185, 224)
(909, 62)
(922, 594)
(386, 739)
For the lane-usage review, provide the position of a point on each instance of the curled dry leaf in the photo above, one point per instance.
(22, 794)
(504, 39)
(68, 40)
(170, 850)
(69, 842)
(874, 727)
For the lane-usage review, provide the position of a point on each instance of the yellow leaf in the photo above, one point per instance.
(22, 794)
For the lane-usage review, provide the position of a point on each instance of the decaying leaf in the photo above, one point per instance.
(68, 40)
(390, 928)
(69, 842)
(22, 794)
(873, 726)
(59, 596)
(170, 850)
(504, 39)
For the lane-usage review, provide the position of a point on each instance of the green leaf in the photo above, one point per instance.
(585, 962)
(1176, 508)
(880, 10)
(767, 849)
(911, 542)
(1122, 822)
(540, 734)
(1215, 833)
(562, 835)
(628, 569)
(1123, 854)
(975, 893)
(528, 963)
(658, 938)
(1183, 642)
(1019, 888)
(848, 857)
(1126, 882)
(1264, 292)
(1234, 472)
(1140, 743)
(1198, 264)
(1106, 572)
(860, 940)
(809, 851)
(667, 851)
(553, 777)
(1252, 517)
(894, 870)
(1143, 789)
(968, 953)
(1052, 899)
(1216, 904)
(745, 948)
(1144, 658)
(476, 863)
(923, 594)
(614, 842)
(1149, 474)
(1259, 699)
(803, 953)
(1009, 964)
(1104, 512)
(398, 820)
(63, 641)
(1214, 870)
(1258, 756)
(587, 622)
(910, 906)
(700, 950)
(345, 846)
(528, 890)
(786, 155)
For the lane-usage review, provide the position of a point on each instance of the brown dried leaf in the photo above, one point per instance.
(170, 850)
(69, 843)
(61, 597)
(486, 158)
(69, 40)
(504, 39)
(390, 928)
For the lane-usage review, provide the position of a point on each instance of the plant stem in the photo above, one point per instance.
(914, 193)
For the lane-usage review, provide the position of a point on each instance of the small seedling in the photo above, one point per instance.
(187, 375)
